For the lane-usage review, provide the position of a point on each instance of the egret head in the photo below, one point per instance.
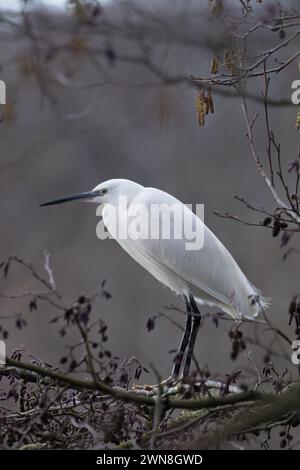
(107, 192)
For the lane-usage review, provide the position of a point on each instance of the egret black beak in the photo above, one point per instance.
(72, 197)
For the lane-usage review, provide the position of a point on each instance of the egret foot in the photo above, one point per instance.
(171, 381)
(143, 387)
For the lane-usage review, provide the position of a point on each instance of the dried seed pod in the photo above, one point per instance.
(201, 107)
(230, 61)
(215, 65)
(210, 103)
(227, 58)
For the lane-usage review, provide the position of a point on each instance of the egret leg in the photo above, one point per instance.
(184, 341)
(196, 320)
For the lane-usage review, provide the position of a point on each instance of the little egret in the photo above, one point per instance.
(208, 275)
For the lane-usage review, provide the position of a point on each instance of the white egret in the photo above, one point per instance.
(208, 275)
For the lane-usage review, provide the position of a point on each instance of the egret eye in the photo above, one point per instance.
(104, 191)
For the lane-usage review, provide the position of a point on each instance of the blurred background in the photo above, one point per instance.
(94, 112)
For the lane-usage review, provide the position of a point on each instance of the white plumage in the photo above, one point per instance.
(208, 275)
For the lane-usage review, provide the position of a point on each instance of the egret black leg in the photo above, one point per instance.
(185, 339)
(196, 320)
